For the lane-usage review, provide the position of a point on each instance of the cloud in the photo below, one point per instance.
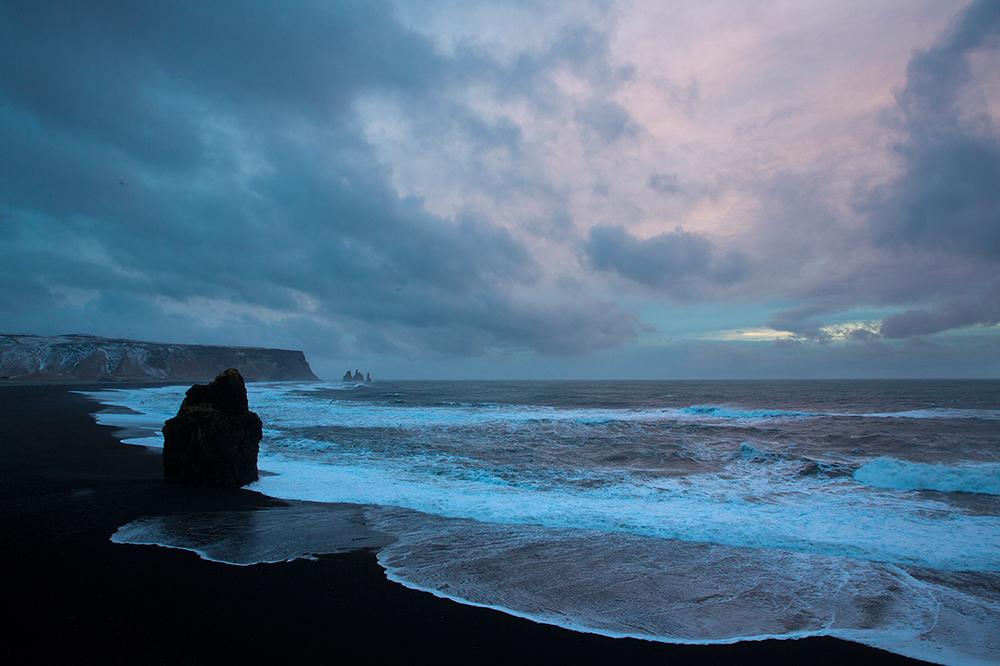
(806, 322)
(861, 335)
(801, 319)
(249, 181)
(677, 262)
(608, 119)
(947, 196)
(578, 49)
(954, 314)
(665, 183)
(926, 242)
(423, 181)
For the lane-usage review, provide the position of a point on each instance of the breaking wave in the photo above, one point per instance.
(728, 412)
(903, 475)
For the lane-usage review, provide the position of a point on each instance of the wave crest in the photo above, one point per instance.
(729, 412)
(903, 475)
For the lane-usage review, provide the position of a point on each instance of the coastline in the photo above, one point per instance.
(66, 485)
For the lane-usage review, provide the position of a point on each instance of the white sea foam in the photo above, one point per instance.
(540, 511)
(940, 413)
(682, 592)
(730, 412)
(748, 512)
(297, 531)
(756, 499)
(347, 413)
(151, 442)
(902, 475)
(147, 409)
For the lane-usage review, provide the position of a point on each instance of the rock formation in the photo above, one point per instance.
(356, 377)
(214, 439)
(87, 358)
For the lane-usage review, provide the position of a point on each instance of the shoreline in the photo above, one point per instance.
(67, 484)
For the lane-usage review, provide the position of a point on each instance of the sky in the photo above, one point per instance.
(444, 189)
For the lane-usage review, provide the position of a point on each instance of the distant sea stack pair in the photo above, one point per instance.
(357, 376)
(214, 439)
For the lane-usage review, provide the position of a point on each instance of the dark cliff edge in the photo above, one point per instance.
(88, 358)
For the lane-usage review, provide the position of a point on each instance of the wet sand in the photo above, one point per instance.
(66, 485)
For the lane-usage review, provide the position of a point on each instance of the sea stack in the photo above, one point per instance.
(214, 439)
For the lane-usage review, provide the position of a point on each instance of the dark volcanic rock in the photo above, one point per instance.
(832, 469)
(214, 439)
(356, 377)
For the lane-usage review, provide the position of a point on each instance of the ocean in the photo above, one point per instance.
(683, 512)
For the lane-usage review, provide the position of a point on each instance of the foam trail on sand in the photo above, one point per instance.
(684, 592)
(299, 530)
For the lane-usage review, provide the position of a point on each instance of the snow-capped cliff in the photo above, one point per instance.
(88, 358)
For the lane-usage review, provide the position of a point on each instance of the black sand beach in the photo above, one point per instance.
(66, 485)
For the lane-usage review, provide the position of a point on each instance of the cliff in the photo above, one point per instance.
(88, 358)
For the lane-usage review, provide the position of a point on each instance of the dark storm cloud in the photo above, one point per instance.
(486, 323)
(957, 313)
(245, 175)
(677, 262)
(948, 195)
(302, 54)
